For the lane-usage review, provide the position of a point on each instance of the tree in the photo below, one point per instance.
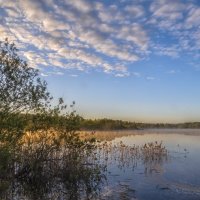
(21, 89)
(37, 140)
(21, 92)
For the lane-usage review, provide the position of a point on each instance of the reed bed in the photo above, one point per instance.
(71, 170)
(105, 135)
(104, 152)
(123, 156)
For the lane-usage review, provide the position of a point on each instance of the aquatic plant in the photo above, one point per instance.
(41, 152)
(122, 155)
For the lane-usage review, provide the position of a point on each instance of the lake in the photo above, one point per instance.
(177, 176)
(151, 164)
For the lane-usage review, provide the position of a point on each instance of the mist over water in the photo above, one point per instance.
(176, 177)
(138, 164)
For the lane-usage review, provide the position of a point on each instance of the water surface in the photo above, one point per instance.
(151, 164)
(176, 177)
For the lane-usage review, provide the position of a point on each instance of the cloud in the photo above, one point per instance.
(50, 73)
(137, 74)
(82, 31)
(193, 18)
(167, 9)
(80, 5)
(74, 75)
(172, 71)
(171, 51)
(92, 35)
(121, 75)
(56, 73)
(178, 23)
(150, 78)
(43, 74)
(135, 10)
(136, 34)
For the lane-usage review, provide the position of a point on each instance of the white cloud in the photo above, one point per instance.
(74, 75)
(136, 34)
(57, 73)
(150, 78)
(134, 10)
(81, 5)
(121, 75)
(46, 26)
(84, 34)
(43, 74)
(171, 51)
(168, 9)
(193, 18)
(137, 74)
(179, 22)
(172, 71)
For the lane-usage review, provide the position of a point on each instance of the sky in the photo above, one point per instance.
(136, 60)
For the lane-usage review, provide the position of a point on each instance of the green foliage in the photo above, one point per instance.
(4, 159)
(109, 124)
(40, 146)
(106, 124)
(191, 125)
(21, 89)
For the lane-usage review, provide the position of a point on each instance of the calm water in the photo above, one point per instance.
(174, 175)
(177, 177)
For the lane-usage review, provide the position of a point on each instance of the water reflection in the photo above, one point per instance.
(144, 165)
(53, 181)
(173, 177)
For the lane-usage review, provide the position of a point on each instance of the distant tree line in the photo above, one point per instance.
(168, 125)
(110, 124)
(106, 124)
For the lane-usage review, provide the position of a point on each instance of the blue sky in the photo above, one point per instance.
(134, 60)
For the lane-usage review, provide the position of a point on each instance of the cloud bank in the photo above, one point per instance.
(87, 35)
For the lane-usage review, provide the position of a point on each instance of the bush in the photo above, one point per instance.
(41, 152)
